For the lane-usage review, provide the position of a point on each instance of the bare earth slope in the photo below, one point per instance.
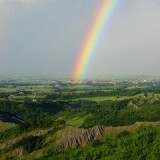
(80, 137)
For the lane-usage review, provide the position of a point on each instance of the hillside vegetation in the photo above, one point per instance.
(68, 127)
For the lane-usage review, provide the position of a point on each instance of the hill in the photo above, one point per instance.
(119, 128)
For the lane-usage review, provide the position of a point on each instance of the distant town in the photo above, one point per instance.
(119, 83)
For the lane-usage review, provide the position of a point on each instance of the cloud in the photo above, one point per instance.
(45, 36)
(30, 1)
(26, 2)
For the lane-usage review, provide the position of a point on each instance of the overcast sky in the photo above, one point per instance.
(43, 37)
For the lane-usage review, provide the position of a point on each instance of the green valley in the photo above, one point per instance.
(55, 121)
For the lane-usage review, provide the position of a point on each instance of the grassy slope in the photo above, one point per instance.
(110, 133)
(49, 143)
(73, 121)
(143, 144)
(5, 125)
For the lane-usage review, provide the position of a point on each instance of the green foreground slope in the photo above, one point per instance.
(38, 134)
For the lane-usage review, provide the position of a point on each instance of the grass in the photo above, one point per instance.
(39, 89)
(8, 90)
(76, 121)
(5, 125)
(84, 87)
(110, 130)
(114, 98)
(24, 97)
(100, 99)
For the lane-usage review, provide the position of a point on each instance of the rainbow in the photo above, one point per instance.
(90, 44)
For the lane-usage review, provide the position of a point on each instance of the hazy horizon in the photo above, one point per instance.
(44, 37)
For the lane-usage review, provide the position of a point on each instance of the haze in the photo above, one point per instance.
(44, 37)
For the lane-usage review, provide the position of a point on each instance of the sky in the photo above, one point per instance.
(44, 37)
